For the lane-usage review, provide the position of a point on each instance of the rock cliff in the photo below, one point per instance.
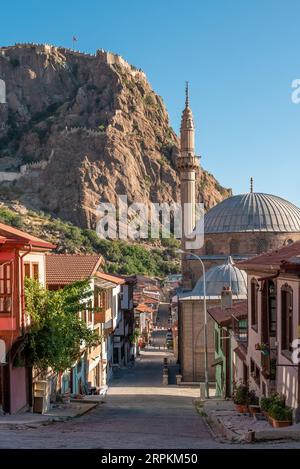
(78, 129)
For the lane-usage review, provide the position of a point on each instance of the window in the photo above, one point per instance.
(286, 318)
(272, 308)
(99, 299)
(5, 288)
(234, 247)
(31, 270)
(241, 330)
(262, 246)
(289, 242)
(254, 303)
(27, 269)
(209, 248)
(35, 271)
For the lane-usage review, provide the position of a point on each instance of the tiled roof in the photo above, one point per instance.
(11, 233)
(273, 259)
(142, 308)
(62, 269)
(223, 316)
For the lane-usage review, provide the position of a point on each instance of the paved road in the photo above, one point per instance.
(138, 413)
(158, 338)
(163, 314)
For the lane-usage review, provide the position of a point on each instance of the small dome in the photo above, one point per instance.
(226, 275)
(253, 212)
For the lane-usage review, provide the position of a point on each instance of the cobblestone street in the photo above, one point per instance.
(138, 412)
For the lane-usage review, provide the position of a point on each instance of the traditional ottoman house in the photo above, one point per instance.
(191, 318)
(20, 254)
(274, 318)
(61, 270)
(231, 335)
(144, 320)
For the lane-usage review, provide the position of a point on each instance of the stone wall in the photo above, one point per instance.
(191, 347)
(248, 244)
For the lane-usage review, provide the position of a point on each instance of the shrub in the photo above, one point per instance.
(10, 218)
(278, 412)
(275, 399)
(240, 396)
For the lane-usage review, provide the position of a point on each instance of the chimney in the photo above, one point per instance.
(226, 298)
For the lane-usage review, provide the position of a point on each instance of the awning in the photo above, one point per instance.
(104, 284)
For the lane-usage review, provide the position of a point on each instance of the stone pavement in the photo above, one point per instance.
(237, 427)
(138, 412)
(58, 413)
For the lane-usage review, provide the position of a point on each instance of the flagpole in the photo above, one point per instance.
(74, 39)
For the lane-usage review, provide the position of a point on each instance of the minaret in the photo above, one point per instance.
(187, 165)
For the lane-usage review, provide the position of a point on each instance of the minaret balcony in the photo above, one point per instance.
(187, 162)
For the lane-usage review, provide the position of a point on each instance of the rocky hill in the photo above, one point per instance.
(156, 258)
(78, 129)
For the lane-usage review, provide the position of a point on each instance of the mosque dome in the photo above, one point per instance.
(253, 212)
(220, 276)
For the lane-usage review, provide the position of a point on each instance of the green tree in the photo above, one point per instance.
(57, 332)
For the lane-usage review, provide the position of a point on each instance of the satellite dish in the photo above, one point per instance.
(2, 353)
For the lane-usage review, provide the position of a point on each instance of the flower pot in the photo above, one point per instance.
(241, 408)
(279, 423)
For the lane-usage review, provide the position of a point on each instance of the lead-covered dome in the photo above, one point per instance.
(253, 212)
(218, 277)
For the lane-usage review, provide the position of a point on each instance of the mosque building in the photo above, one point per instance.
(238, 228)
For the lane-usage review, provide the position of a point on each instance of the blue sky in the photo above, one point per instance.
(239, 56)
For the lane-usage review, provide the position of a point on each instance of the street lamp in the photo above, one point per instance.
(180, 251)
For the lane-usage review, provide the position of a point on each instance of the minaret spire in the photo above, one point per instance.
(188, 165)
(187, 97)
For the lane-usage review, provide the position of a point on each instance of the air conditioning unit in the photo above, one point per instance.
(2, 353)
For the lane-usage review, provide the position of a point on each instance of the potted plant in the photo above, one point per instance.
(280, 416)
(265, 405)
(240, 398)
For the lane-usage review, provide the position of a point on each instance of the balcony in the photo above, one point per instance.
(103, 316)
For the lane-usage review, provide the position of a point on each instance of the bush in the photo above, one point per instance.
(10, 218)
(275, 399)
(241, 395)
(278, 412)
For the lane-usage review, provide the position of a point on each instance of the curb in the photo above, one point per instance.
(250, 436)
(21, 424)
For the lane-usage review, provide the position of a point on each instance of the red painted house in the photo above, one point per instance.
(20, 254)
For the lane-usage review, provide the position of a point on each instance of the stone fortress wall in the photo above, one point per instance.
(109, 58)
